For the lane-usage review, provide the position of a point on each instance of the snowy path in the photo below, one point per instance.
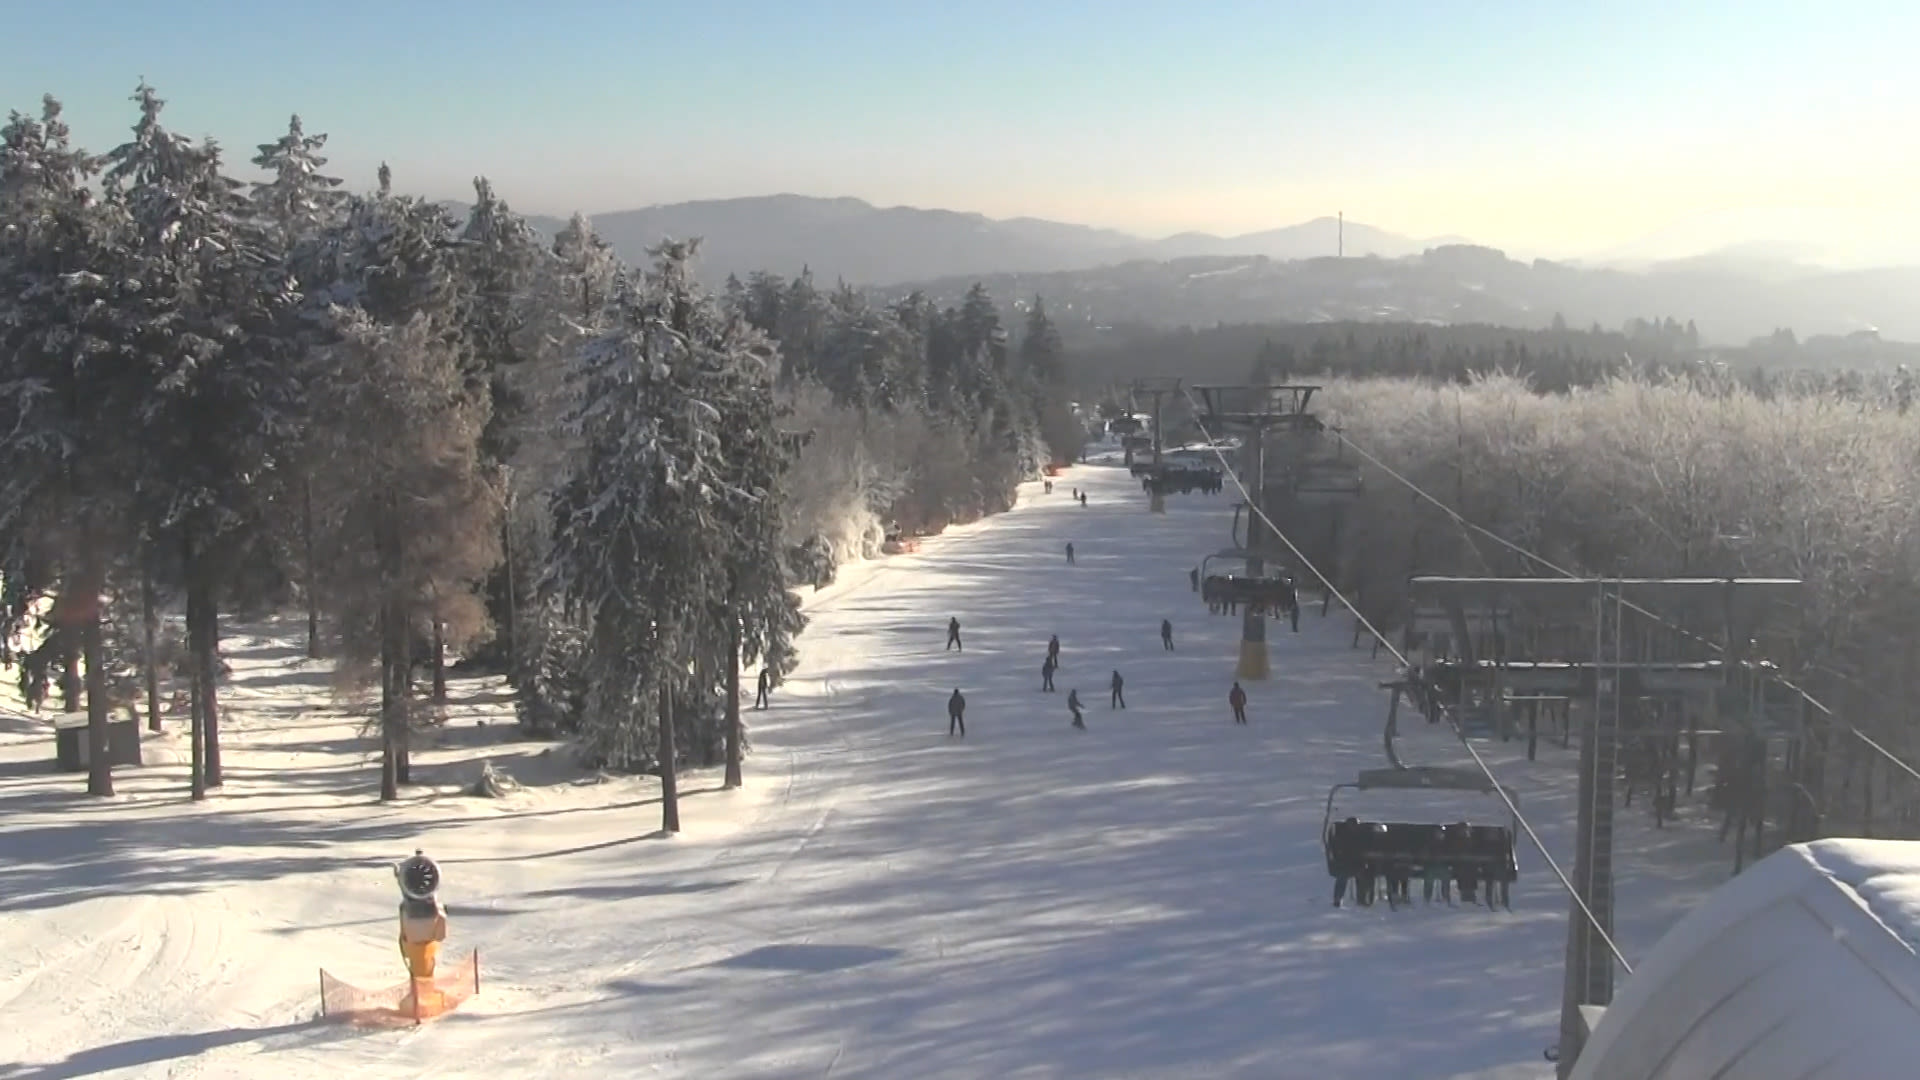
(1144, 899)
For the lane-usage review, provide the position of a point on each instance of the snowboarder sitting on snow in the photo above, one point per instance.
(1119, 697)
(1237, 698)
(766, 688)
(1073, 702)
(953, 635)
(1047, 667)
(957, 714)
(1166, 634)
(1069, 554)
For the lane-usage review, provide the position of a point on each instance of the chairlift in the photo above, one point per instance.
(1272, 592)
(1404, 849)
(1125, 425)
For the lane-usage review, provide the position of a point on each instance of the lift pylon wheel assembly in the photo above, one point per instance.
(1257, 410)
(1156, 388)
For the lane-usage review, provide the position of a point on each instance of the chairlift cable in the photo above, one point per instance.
(1499, 788)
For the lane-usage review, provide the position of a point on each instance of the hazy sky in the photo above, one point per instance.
(1548, 128)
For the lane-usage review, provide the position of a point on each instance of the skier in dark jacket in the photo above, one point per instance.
(765, 689)
(1166, 634)
(1118, 700)
(1193, 578)
(1053, 649)
(1083, 498)
(1237, 698)
(957, 714)
(1046, 674)
(953, 635)
(1069, 554)
(1073, 702)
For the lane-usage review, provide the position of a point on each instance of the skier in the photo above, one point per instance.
(1238, 699)
(1046, 674)
(1193, 578)
(1341, 861)
(1073, 702)
(1069, 553)
(953, 636)
(1166, 634)
(956, 714)
(1053, 649)
(765, 689)
(1118, 698)
(1047, 486)
(1083, 498)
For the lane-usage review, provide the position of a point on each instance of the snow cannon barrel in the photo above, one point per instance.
(423, 919)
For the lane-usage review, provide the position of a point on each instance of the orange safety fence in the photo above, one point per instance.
(400, 1004)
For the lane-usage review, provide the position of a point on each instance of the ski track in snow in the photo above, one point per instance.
(1145, 899)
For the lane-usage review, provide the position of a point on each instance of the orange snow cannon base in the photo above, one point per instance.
(428, 992)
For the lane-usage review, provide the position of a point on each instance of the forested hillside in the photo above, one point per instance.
(447, 437)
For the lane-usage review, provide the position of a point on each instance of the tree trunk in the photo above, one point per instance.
(149, 642)
(511, 631)
(669, 783)
(99, 709)
(205, 640)
(72, 686)
(197, 695)
(312, 576)
(439, 663)
(734, 732)
(403, 694)
(392, 687)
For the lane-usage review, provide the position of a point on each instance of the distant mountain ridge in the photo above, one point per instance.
(1094, 277)
(853, 240)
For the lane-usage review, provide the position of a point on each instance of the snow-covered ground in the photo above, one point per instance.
(1146, 898)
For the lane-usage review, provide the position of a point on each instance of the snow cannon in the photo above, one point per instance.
(429, 990)
(423, 920)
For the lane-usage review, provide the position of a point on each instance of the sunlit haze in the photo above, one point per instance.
(1624, 130)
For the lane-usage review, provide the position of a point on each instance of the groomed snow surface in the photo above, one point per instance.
(1144, 899)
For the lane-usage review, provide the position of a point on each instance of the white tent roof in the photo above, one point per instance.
(1802, 968)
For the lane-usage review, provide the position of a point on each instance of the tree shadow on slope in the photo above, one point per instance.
(159, 1049)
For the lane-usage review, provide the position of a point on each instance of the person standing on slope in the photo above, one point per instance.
(1073, 702)
(1069, 553)
(956, 714)
(1083, 498)
(1053, 649)
(1237, 698)
(1166, 634)
(1118, 699)
(953, 636)
(1046, 674)
(765, 689)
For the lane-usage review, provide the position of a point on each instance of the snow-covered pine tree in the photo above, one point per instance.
(220, 393)
(416, 515)
(303, 203)
(641, 528)
(389, 542)
(499, 261)
(67, 401)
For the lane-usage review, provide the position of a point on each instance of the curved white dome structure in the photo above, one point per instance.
(1803, 968)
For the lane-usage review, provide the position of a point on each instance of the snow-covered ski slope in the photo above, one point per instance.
(1144, 899)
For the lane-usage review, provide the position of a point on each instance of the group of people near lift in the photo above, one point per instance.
(1477, 860)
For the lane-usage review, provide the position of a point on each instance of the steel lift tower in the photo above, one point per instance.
(1158, 389)
(1256, 411)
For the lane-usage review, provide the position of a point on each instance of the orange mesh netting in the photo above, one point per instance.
(450, 987)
